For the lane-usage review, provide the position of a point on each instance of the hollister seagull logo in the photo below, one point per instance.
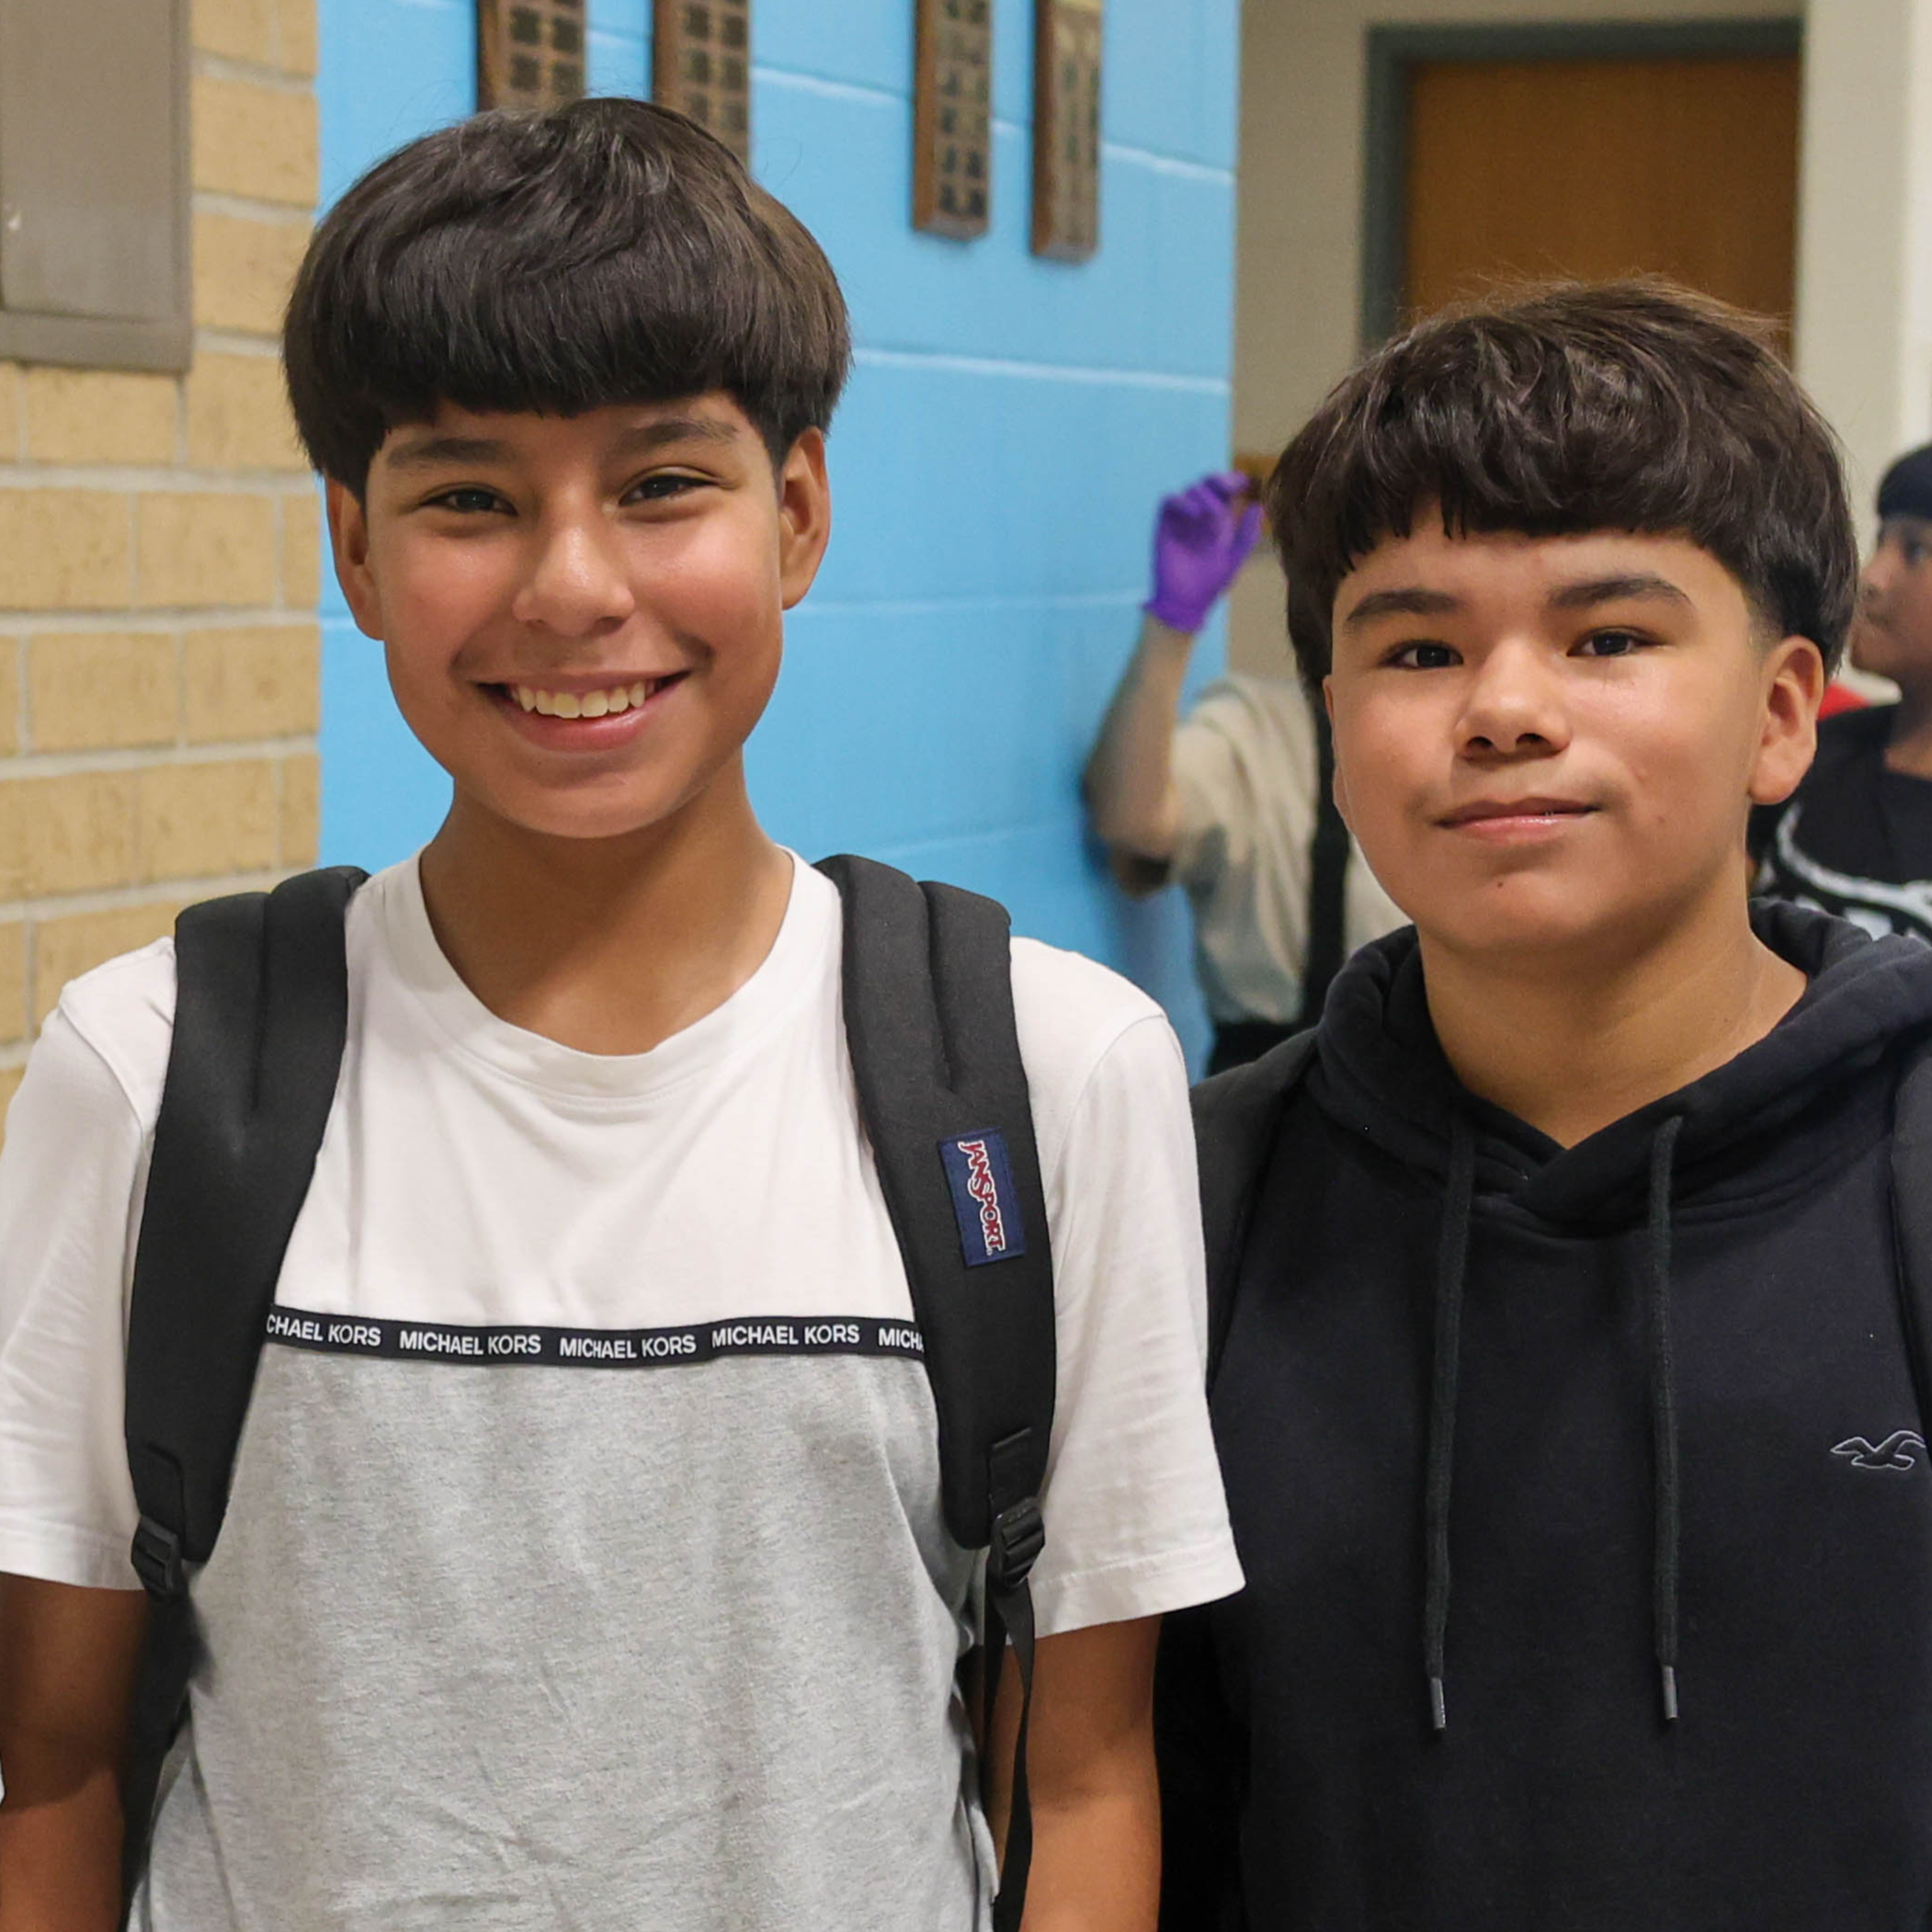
(983, 1196)
(1894, 1452)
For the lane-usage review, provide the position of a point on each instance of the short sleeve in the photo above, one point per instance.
(1214, 801)
(72, 1161)
(1136, 1523)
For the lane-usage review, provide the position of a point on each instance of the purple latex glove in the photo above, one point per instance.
(1201, 539)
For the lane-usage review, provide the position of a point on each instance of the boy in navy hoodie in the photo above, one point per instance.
(1563, 1380)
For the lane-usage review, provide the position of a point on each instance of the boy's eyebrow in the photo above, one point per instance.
(1611, 590)
(1407, 602)
(431, 452)
(674, 429)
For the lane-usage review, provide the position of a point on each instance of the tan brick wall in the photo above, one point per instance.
(159, 570)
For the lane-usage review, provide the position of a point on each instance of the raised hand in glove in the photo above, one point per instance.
(1201, 538)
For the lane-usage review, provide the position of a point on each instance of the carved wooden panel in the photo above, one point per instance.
(529, 52)
(701, 64)
(953, 118)
(1067, 129)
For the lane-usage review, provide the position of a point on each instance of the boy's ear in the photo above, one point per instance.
(804, 515)
(348, 540)
(1794, 685)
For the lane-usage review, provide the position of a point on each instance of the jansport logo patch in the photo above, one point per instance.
(983, 1196)
(1894, 1452)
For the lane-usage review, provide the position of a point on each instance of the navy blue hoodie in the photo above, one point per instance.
(1582, 1492)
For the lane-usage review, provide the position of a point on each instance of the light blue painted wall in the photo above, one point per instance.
(995, 462)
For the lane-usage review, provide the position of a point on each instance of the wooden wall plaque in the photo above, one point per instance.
(1067, 129)
(529, 52)
(952, 119)
(701, 64)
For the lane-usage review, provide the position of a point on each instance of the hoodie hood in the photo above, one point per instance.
(1383, 1074)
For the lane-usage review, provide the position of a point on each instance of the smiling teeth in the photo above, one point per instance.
(583, 704)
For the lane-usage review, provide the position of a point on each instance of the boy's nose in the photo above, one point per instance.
(576, 583)
(1514, 705)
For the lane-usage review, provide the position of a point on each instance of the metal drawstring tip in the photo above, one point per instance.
(1439, 1713)
(1668, 1674)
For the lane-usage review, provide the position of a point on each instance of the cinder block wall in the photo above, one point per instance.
(158, 538)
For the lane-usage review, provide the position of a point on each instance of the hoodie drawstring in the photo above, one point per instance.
(1662, 1420)
(1452, 1273)
(1452, 1267)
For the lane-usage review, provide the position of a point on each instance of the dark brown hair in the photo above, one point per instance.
(1568, 408)
(609, 251)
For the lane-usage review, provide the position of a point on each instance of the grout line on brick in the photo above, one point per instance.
(150, 478)
(236, 342)
(115, 760)
(132, 898)
(247, 207)
(226, 67)
(193, 616)
(30, 973)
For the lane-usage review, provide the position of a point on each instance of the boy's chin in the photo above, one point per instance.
(587, 821)
(1526, 924)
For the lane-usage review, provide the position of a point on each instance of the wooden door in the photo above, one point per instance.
(1600, 167)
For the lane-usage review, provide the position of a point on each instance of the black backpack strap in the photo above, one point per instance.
(1911, 1218)
(1327, 947)
(1236, 1116)
(1199, 1741)
(261, 1010)
(943, 1098)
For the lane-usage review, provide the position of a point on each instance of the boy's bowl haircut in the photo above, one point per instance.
(1567, 408)
(611, 251)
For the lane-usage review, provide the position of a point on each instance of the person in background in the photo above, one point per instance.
(1856, 840)
(1235, 804)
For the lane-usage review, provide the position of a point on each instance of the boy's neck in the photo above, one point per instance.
(1572, 1044)
(609, 946)
(1909, 748)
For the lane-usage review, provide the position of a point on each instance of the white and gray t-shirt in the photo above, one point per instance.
(652, 1622)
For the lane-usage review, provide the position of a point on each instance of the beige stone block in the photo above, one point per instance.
(301, 552)
(254, 140)
(64, 948)
(9, 1085)
(243, 271)
(63, 550)
(236, 29)
(73, 834)
(199, 820)
(238, 416)
(251, 684)
(302, 809)
(9, 411)
(76, 415)
(297, 19)
(205, 548)
(13, 981)
(93, 691)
